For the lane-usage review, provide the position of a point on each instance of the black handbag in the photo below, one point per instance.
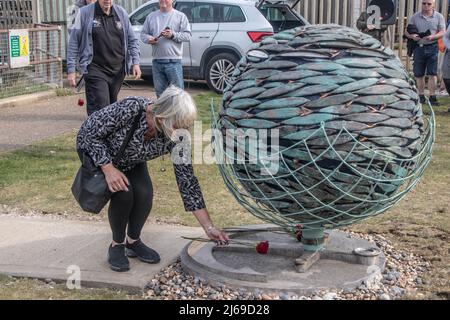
(90, 188)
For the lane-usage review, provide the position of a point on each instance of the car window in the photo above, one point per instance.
(139, 17)
(204, 12)
(273, 14)
(186, 8)
(231, 14)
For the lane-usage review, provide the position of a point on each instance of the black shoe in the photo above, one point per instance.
(422, 98)
(433, 101)
(117, 259)
(142, 252)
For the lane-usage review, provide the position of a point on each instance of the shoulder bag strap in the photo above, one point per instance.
(128, 137)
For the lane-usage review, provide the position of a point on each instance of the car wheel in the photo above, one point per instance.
(219, 71)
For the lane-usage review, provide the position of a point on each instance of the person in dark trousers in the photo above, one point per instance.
(106, 49)
(430, 26)
(446, 63)
(166, 30)
(101, 136)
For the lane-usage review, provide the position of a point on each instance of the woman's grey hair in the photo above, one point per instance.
(175, 109)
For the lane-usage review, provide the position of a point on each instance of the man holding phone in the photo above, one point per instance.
(430, 26)
(166, 30)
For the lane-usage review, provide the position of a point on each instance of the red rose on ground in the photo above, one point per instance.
(262, 247)
(80, 102)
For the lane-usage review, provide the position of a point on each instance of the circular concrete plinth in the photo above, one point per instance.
(345, 262)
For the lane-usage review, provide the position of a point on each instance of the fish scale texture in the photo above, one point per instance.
(352, 137)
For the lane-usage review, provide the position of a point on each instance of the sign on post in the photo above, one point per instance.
(19, 44)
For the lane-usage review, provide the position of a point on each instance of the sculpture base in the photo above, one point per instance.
(344, 262)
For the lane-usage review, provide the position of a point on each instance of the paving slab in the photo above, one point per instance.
(46, 248)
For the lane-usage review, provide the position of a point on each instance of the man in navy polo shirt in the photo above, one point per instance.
(105, 48)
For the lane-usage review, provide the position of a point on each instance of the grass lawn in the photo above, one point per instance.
(40, 177)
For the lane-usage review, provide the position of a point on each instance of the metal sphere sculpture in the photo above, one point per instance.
(352, 138)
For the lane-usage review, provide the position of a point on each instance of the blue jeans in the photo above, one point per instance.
(167, 72)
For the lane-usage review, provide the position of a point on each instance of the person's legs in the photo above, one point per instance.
(174, 72)
(115, 85)
(143, 200)
(419, 68)
(432, 67)
(447, 86)
(97, 93)
(432, 80)
(160, 80)
(421, 85)
(119, 211)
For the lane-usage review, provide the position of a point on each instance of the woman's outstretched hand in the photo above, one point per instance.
(116, 180)
(219, 236)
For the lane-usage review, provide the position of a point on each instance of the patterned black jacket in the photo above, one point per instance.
(102, 134)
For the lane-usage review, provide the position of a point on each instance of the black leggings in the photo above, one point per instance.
(131, 208)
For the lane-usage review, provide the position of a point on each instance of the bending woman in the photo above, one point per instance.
(101, 136)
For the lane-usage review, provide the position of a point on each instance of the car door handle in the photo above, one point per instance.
(204, 37)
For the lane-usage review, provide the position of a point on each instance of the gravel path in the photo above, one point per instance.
(400, 280)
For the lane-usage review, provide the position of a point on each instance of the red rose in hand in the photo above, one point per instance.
(262, 247)
(80, 102)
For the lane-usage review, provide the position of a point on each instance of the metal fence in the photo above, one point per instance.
(343, 12)
(45, 69)
(55, 12)
(15, 12)
(346, 12)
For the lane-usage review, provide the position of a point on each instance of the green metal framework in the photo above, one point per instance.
(407, 175)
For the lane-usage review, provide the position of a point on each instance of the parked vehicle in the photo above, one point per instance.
(222, 31)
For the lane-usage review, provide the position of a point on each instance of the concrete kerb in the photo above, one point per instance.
(26, 99)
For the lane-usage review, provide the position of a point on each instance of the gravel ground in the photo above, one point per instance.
(400, 280)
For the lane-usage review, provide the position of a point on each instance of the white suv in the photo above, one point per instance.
(222, 31)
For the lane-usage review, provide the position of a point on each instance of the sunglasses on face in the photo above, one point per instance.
(427, 3)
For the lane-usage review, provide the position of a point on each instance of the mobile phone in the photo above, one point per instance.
(166, 28)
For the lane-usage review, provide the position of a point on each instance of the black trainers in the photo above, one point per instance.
(117, 259)
(433, 101)
(142, 252)
(422, 98)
